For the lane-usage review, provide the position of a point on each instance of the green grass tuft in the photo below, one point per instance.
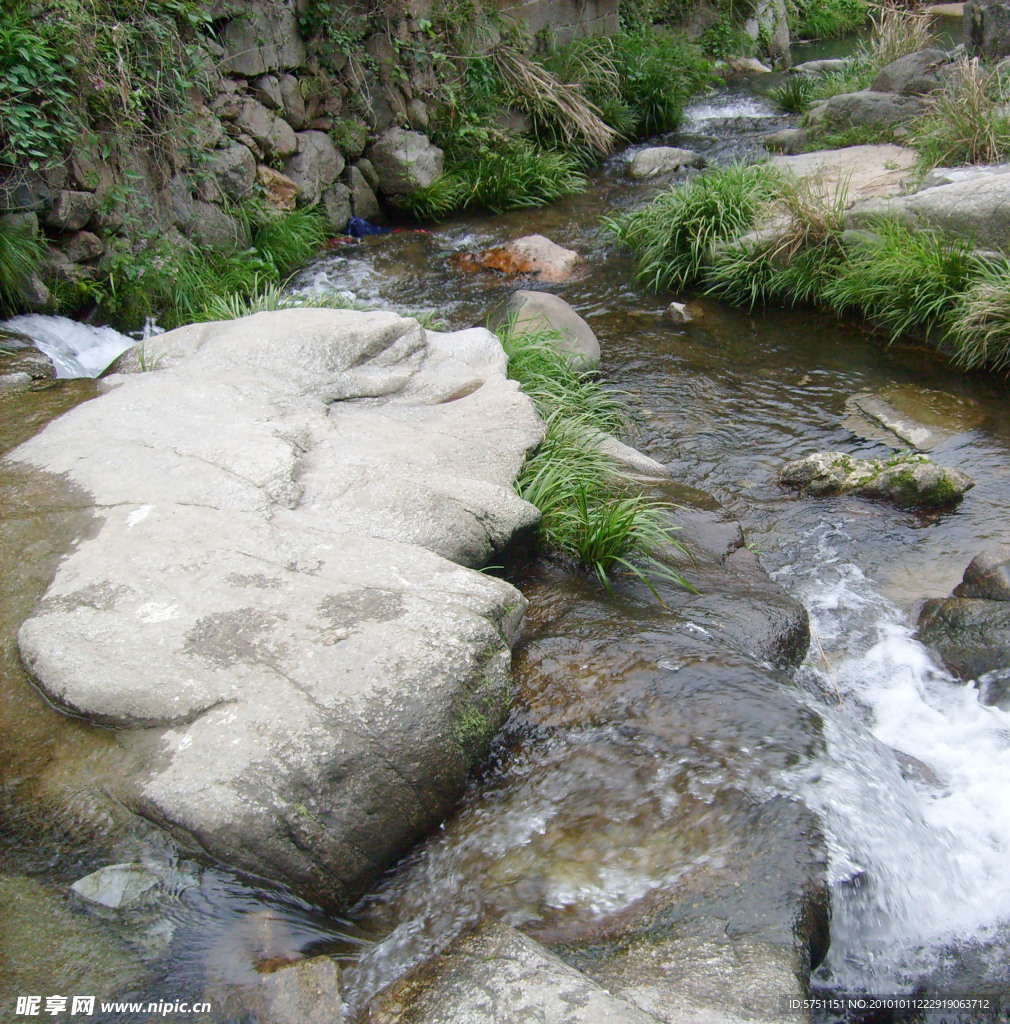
(674, 235)
(21, 254)
(979, 334)
(586, 513)
(968, 121)
(826, 19)
(904, 280)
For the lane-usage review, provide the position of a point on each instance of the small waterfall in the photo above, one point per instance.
(76, 349)
(920, 854)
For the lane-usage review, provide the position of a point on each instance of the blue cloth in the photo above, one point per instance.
(358, 227)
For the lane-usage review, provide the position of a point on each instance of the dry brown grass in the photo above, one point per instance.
(561, 105)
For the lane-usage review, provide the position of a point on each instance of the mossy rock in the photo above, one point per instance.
(906, 480)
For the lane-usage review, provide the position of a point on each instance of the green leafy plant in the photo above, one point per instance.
(673, 236)
(37, 93)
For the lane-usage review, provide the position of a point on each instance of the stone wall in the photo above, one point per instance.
(567, 19)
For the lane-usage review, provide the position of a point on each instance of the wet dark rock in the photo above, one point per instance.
(787, 140)
(915, 74)
(971, 635)
(498, 974)
(987, 576)
(994, 689)
(908, 480)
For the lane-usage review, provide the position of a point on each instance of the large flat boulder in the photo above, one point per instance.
(866, 109)
(863, 172)
(975, 204)
(277, 605)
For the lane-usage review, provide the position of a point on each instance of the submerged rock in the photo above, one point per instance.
(971, 635)
(498, 974)
(971, 630)
(286, 513)
(656, 160)
(306, 992)
(906, 480)
(118, 887)
(910, 416)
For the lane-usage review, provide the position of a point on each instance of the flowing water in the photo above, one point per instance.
(625, 777)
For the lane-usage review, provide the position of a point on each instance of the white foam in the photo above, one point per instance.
(76, 349)
(730, 107)
(915, 864)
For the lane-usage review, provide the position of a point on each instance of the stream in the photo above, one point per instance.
(596, 799)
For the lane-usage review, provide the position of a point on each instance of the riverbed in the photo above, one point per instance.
(909, 782)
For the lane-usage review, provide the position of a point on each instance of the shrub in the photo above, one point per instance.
(674, 235)
(659, 72)
(903, 279)
(969, 120)
(585, 513)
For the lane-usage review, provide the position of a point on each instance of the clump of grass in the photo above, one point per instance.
(968, 121)
(794, 94)
(266, 297)
(825, 19)
(897, 31)
(585, 512)
(658, 73)
(513, 176)
(842, 138)
(797, 260)
(904, 280)
(559, 108)
(979, 325)
(21, 253)
(674, 235)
